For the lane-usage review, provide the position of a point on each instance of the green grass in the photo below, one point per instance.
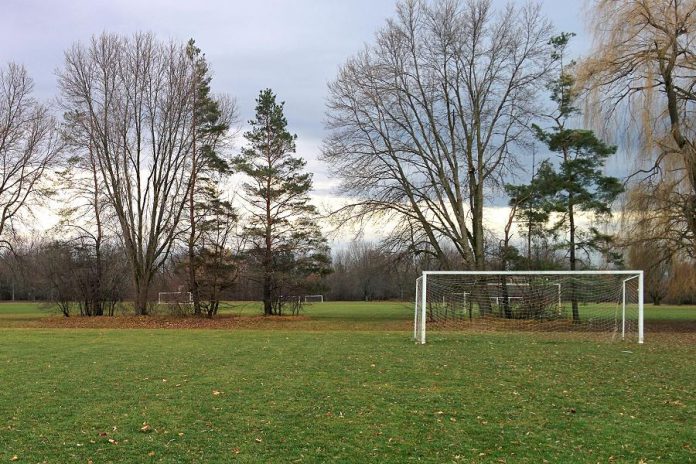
(342, 396)
(21, 312)
(675, 313)
(353, 311)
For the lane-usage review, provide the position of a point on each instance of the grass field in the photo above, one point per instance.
(353, 311)
(341, 385)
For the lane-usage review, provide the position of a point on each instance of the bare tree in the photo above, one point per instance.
(641, 74)
(424, 122)
(85, 216)
(134, 96)
(29, 144)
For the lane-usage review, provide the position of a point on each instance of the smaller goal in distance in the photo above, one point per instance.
(174, 298)
(314, 298)
(600, 302)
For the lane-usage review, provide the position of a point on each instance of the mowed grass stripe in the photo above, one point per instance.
(341, 396)
(349, 312)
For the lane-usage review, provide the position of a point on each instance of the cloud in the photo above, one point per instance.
(295, 47)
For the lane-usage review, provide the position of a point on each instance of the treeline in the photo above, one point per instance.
(453, 106)
(138, 166)
(67, 274)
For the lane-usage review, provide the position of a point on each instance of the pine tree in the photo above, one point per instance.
(286, 242)
(574, 184)
(210, 126)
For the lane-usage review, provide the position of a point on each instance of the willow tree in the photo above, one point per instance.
(131, 100)
(641, 75)
(426, 121)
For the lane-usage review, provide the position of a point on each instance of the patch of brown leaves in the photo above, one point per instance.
(168, 322)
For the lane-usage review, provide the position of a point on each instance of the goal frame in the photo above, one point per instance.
(419, 320)
(314, 296)
(160, 302)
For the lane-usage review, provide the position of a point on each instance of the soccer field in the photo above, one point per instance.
(343, 384)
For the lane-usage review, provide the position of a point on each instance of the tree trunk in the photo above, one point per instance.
(481, 296)
(268, 257)
(141, 292)
(573, 265)
(267, 301)
(99, 294)
(507, 311)
(480, 292)
(193, 282)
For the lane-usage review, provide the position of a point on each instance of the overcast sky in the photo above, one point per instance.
(292, 46)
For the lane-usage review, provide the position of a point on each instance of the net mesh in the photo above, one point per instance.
(604, 304)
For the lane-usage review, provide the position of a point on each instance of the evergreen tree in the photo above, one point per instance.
(210, 125)
(575, 184)
(286, 243)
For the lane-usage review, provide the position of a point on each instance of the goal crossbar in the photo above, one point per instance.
(530, 273)
(422, 293)
(174, 298)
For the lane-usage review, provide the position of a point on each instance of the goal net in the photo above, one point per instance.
(314, 298)
(174, 298)
(607, 303)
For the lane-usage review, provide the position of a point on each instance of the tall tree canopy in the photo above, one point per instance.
(211, 122)
(641, 75)
(286, 241)
(574, 184)
(29, 144)
(425, 122)
(131, 98)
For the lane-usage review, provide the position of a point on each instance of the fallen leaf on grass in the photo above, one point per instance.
(146, 428)
(151, 453)
(112, 441)
(14, 458)
(258, 440)
(216, 393)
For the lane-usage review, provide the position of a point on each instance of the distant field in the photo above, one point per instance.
(352, 313)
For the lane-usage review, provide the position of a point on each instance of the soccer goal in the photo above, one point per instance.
(174, 298)
(314, 298)
(608, 303)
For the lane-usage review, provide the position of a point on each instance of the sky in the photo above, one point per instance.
(294, 47)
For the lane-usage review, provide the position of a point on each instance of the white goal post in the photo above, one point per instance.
(174, 298)
(314, 298)
(601, 302)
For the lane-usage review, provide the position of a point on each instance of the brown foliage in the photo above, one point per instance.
(641, 76)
